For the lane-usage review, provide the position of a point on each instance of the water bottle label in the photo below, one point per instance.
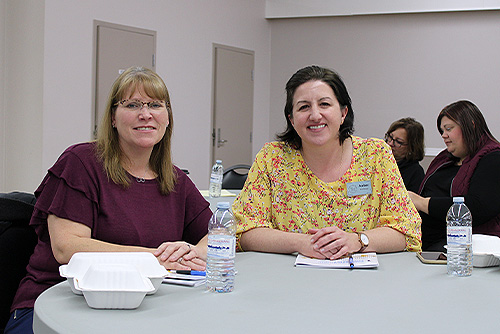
(459, 235)
(221, 246)
(214, 178)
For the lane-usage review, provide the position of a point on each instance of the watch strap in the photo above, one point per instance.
(363, 245)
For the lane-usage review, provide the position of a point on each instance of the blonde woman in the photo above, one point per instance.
(119, 194)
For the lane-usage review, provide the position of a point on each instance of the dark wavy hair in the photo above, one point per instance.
(332, 79)
(414, 137)
(471, 121)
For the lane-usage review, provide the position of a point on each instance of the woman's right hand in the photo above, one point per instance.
(180, 255)
(182, 264)
(334, 242)
(306, 246)
(263, 239)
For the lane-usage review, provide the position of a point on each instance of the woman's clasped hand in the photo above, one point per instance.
(180, 255)
(334, 243)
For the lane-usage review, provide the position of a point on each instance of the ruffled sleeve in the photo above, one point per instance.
(68, 191)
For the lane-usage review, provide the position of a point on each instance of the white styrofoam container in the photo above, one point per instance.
(483, 249)
(113, 286)
(146, 263)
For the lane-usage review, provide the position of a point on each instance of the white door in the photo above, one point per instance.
(117, 48)
(233, 106)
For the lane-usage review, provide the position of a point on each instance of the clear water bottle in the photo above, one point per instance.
(216, 179)
(459, 239)
(221, 250)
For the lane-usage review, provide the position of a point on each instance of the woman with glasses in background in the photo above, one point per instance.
(119, 194)
(468, 167)
(406, 139)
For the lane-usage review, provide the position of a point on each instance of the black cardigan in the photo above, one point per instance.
(482, 199)
(412, 174)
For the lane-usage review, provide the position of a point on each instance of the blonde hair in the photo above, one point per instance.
(108, 146)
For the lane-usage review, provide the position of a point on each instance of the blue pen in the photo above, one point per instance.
(351, 261)
(191, 272)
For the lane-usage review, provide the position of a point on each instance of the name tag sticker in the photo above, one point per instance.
(359, 188)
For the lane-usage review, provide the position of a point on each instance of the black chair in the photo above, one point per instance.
(17, 242)
(232, 179)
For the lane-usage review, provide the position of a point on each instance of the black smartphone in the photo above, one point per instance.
(432, 257)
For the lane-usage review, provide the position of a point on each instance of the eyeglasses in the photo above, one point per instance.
(136, 105)
(395, 142)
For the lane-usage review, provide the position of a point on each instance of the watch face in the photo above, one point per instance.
(364, 239)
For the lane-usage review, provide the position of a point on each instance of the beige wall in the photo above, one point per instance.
(186, 31)
(395, 65)
(22, 94)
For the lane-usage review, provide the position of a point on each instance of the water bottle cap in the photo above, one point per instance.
(222, 205)
(218, 161)
(458, 199)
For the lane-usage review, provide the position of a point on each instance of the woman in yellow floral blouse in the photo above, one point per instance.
(319, 190)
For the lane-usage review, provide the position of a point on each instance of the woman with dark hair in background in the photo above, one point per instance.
(468, 167)
(406, 139)
(319, 190)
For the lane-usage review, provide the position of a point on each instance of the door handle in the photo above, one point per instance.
(220, 142)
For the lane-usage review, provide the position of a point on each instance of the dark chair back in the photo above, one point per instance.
(17, 241)
(232, 179)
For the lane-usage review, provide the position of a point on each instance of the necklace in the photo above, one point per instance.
(142, 179)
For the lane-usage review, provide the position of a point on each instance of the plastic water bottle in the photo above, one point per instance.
(221, 250)
(216, 179)
(459, 239)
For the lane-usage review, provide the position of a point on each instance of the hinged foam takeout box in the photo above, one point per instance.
(485, 250)
(113, 286)
(146, 264)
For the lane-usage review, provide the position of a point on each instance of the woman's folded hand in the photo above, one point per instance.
(180, 255)
(333, 242)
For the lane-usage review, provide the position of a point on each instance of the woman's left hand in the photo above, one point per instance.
(333, 242)
(180, 255)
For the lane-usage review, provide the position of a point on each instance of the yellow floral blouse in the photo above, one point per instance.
(281, 192)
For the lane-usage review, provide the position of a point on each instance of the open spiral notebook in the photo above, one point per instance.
(360, 260)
